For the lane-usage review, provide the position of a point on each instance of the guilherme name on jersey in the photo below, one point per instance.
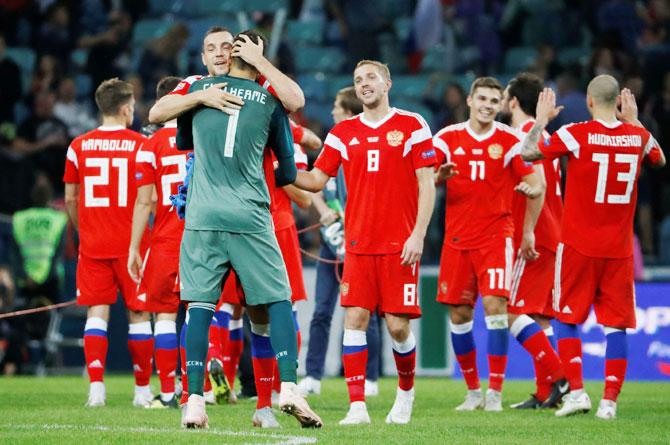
(242, 93)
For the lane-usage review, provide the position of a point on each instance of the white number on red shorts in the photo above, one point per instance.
(409, 294)
(500, 273)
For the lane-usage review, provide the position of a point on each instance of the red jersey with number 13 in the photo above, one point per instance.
(601, 189)
(379, 160)
(102, 161)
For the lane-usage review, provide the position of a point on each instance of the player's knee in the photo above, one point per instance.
(460, 314)
(495, 305)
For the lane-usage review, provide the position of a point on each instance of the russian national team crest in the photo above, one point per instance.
(443, 287)
(394, 138)
(495, 151)
(344, 289)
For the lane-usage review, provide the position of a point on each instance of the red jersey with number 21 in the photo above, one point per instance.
(379, 160)
(162, 164)
(601, 189)
(102, 161)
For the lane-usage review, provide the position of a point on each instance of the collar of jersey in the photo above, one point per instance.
(608, 125)
(379, 123)
(523, 124)
(480, 137)
(111, 127)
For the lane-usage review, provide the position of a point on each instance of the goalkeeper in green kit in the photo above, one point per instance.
(228, 225)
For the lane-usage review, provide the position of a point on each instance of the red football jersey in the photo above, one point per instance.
(548, 227)
(379, 160)
(102, 161)
(479, 198)
(281, 207)
(601, 189)
(162, 164)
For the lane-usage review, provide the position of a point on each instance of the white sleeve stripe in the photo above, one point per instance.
(298, 155)
(146, 156)
(418, 136)
(514, 151)
(651, 143)
(72, 156)
(335, 142)
(569, 141)
(442, 146)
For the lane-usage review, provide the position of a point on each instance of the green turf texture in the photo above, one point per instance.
(51, 410)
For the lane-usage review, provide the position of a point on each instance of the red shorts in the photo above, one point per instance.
(100, 280)
(606, 283)
(290, 251)
(380, 282)
(532, 285)
(158, 281)
(465, 273)
(232, 292)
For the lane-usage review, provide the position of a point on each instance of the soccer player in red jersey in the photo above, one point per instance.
(594, 261)
(477, 254)
(160, 168)
(536, 232)
(100, 191)
(388, 158)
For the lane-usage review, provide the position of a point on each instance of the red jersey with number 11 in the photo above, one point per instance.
(379, 160)
(102, 162)
(601, 189)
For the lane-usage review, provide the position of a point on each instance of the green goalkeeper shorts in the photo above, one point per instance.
(206, 257)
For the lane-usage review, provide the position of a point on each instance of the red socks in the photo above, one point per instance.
(404, 354)
(231, 357)
(141, 347)
(355, 359)
(165, 342)
(95, 348)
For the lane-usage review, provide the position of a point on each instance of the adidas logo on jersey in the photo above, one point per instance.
(567, 310)
(95, 364)
(354, 141)
(459, 151)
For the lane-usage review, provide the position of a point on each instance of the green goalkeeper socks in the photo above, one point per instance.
(197, 342)
(283, 339)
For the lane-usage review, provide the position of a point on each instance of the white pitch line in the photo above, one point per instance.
(283, 439)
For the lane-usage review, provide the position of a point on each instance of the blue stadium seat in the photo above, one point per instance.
(336, 83)
(208, 7)
(79, 57)
(197, 29)
(403, 27)
(305, 32)
(265, 5)
(573, 56)
(434, 59)
(393, 9)
(148, 29)
(160, 7)
(410, 87)
(315, 86)
(519, 58)
(310, 59)
(320, 111)
(25, 59)
(84, 85)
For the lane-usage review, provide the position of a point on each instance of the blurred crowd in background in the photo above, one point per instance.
(53, 54)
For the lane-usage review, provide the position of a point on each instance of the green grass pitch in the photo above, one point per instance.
(51, 410)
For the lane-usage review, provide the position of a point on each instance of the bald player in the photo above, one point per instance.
(594, 260)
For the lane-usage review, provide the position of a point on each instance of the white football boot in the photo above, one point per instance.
(606, 410)
(401, 412)
(474, 399)
(265, 418)
(96, 395)
(143, 396)
(575, 402)
(293, 403)
(309, 385)
(194, 413)
(210, 398)
(493, 401)
(357, 415)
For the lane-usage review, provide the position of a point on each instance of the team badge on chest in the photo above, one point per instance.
(495, 151)
(394, 138)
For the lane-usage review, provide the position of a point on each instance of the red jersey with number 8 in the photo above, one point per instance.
(379, 160)
(102, 162)
(601, 189)
(161, 163)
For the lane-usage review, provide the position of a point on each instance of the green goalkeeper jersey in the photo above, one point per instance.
(228, 190)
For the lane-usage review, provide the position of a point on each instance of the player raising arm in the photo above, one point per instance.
(594, 261)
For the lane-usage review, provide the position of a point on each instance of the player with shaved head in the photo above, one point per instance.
(594, 260)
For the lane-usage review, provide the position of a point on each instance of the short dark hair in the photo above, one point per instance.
(350, 101)
(165, 85)
(112, 94)
(255, 37)
(485, 82)
(526, 87)
(214, 30)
